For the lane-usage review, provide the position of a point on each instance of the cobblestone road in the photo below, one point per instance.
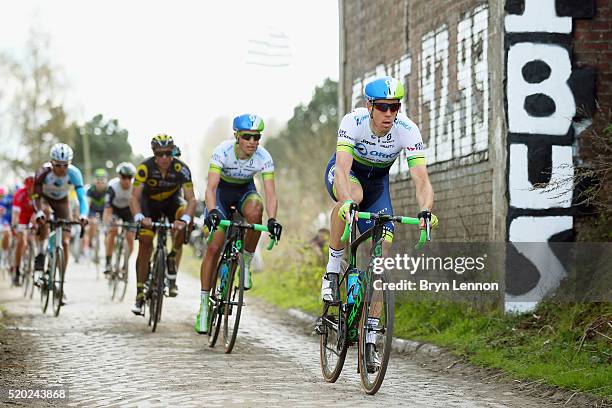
(108, 357)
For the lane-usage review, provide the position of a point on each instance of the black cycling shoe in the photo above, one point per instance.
(372, 360)
(16, 280)
(39, 262)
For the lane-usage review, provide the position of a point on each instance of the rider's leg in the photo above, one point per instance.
(110, 243)
(145, 248)
(252, 210)
(336, 246)
(210, 261)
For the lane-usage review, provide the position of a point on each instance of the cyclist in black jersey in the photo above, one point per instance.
(157, 192)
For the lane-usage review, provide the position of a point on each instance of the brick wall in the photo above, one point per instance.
(439, 49)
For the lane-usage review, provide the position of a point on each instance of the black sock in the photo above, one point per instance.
(108, 260)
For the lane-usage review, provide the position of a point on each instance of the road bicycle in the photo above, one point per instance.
(118, 275)
(362, 311)
(155, 285)
(227, 295)
(52, 280)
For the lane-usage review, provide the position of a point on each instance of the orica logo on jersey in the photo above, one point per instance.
(383, 155)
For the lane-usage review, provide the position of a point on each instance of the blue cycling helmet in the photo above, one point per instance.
(248, 122)
(384, 88)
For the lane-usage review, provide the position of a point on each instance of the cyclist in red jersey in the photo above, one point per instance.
(22, 216)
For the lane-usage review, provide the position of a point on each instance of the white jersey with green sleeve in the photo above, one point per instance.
(356, 137)
(226, 163)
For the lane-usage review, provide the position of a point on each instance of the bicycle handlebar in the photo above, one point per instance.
(224, 224)
(373, 216)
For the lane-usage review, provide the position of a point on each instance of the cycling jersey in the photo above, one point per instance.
(22, 202)
(226, 163)
(377, 154)
(97, 200)
(116, 196)
(161, 188)
(373, 157)
(52, 187)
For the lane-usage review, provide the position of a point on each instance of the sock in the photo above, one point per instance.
(248, 257)
(108, 260)
(371, 334)
(335, 256)
(204, 294)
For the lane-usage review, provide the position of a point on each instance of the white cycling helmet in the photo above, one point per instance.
(126, 169)
(61, 152)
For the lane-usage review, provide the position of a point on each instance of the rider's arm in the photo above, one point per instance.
(135, 199)
(83, 205)
(271, 200)
(344, 161)
(108, 199)
(77, 181)
(15, 215)
(191, 200)
(210, 197)
(423, 188)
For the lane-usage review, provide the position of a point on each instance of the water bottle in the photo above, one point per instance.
(352, 285)
(223, 276)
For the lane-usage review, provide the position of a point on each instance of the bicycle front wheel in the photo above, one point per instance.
(215, 310)
(232, 303)
(122, 277)
(45, 287)
(157, 297)
(375, 335)
(57, 281)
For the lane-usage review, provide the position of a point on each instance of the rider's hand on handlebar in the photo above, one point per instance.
(83, 220)
(275, 228)
(147, 222)
(344, 209)
(426, 214)
(213, 219)
(40, 216)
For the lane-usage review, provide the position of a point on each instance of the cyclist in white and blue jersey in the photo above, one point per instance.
(52, 183)
(369, 141)
(230, 183)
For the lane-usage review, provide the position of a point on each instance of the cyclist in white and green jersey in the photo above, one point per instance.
(230, 183)
(370, 139)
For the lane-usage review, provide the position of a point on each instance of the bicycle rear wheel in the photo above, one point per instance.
(376, 322)
(45, 288)
(232, 303)
(215, 309)
(157, 297)
(58, 280)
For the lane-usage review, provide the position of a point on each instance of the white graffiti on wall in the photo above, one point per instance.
(555, 87)
(522, 192)
(457, 127)
(539, 16)
(539, 102)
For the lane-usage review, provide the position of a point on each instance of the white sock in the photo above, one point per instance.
(371, 334)
(204, 294)
(333, 264)
(248, 257)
